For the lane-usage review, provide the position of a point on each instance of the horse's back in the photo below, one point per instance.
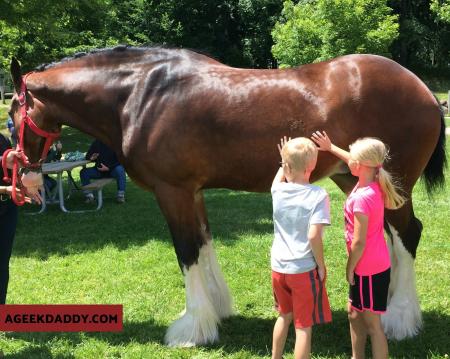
(221, 125)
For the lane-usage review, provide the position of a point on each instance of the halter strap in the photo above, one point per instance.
(27, 120)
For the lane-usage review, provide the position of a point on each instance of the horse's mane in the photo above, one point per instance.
(111, 51)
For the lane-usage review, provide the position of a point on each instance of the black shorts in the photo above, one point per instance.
(370, 292)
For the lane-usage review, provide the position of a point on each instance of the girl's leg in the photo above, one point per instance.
(280, 332)
(302, 343)
(358, 333)
(377, 337)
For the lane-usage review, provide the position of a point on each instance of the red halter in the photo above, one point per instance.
(49, 138)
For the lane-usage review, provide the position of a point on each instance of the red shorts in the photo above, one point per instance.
(304, 295)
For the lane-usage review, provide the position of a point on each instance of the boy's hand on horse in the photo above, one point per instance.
(283, 141)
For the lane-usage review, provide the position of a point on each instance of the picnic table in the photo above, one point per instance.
(58, 196)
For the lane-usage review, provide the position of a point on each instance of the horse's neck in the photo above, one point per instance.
(80, 99)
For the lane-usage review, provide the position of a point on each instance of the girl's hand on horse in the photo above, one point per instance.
(322, 140)
(283, 141)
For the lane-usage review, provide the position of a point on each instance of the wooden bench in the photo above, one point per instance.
(97, 185)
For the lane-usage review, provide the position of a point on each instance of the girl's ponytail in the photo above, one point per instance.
(391, 191)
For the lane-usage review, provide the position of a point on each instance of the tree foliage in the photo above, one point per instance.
(236, 32)
(317, 30)
(424, 41)
(442, 9)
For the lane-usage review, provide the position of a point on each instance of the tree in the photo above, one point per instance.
(424, 41)
(442, 9)
(317, 30)
(257, 19)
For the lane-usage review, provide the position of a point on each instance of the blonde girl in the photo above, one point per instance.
(368, 264)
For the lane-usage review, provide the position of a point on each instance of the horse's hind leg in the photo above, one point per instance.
(403, 317)
(195, 254)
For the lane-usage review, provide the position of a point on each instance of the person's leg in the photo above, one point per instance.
(49, 182)
(280, 332)
(86, 174)
(378, 339)
(302, 343)
(8, 223)
(119, 174)
(358, 333)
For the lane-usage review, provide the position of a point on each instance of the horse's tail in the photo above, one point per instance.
(433, 174)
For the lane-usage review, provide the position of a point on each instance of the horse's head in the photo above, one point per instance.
(34, 132)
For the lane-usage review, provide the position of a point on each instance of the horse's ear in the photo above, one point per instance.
(16, 74)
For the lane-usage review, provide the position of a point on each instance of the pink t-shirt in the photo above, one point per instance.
(368, 201)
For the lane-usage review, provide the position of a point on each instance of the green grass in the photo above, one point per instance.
(123, 254)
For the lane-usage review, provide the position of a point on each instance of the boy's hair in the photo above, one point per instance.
(300, 153)
(371, 152)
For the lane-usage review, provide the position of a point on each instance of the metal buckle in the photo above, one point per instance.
(4, 197)
(22, 98)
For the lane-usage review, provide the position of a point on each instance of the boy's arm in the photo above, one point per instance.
(315, 234)
(322, 140)
(279, 177)
(358, 245)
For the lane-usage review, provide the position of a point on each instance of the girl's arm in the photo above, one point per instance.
(322, 140)
(358, 244)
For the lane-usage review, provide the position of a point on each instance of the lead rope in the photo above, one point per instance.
(15, 171)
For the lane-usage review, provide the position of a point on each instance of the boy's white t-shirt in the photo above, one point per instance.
(295, 207)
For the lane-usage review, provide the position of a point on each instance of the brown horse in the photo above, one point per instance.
(181, 122)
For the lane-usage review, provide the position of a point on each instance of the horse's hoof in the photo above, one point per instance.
(190, 330)
(402, 320)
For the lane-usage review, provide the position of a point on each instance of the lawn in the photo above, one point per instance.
(123, 254)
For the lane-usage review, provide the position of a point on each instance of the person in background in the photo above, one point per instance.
(106, 165)
(54, 154)
(12, 131)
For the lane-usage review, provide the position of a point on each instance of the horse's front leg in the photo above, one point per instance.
(218, 289)
(403, 317)
(207, 296)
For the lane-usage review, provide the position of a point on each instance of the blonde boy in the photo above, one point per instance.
(300, 210)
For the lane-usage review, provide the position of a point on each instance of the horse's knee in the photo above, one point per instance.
(411, 235)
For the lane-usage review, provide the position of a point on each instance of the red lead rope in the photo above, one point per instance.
(49, 138)
(15, 170)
